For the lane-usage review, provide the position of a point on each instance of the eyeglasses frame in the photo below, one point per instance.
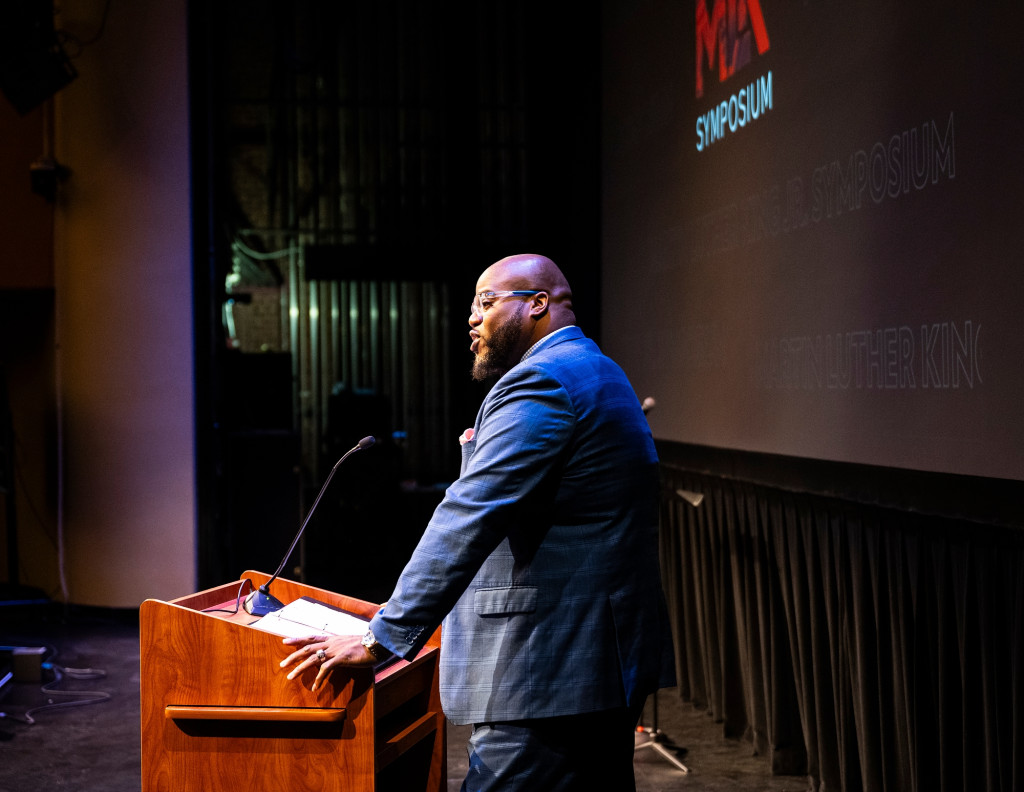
(492, 295)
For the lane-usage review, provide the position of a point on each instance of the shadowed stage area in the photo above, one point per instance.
(77, 728)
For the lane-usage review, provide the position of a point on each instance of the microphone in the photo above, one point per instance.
(261, 602)
(647, 405)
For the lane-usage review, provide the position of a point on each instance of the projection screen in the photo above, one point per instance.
(812, 227)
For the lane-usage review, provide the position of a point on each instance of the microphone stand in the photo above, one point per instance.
(261, 602)
(656, 738)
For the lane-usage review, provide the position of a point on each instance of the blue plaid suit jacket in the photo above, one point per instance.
(542, 558)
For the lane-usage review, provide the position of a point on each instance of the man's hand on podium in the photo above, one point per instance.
(324, 653)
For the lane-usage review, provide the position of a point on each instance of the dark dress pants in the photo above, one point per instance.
(573, 753)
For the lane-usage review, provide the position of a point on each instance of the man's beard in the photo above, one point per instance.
(501, 348)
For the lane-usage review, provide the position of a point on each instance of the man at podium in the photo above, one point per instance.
(542, 558)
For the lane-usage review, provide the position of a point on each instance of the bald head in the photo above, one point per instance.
(509, 324)
(534, 272)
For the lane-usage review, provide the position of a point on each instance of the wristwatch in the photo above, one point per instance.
(379, 651)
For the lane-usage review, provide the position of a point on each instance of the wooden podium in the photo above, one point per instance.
(219, 713)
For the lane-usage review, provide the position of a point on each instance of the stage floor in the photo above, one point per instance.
(89, 740)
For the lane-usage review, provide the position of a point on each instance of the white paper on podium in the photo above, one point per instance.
(306, 616)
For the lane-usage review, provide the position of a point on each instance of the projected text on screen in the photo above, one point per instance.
(943, 356)
(742, 108)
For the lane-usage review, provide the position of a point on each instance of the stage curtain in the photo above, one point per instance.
(869, 648)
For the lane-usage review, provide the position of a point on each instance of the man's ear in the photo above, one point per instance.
(539, 305)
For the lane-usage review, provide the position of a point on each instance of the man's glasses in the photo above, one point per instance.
(484, 300)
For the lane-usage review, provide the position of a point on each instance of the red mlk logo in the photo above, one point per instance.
(725, 34)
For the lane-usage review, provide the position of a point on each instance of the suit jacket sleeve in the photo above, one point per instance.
(520, 435)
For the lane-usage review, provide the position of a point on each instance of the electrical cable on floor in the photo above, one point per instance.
(76, 698)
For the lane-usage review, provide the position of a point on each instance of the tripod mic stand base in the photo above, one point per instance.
(654, 739)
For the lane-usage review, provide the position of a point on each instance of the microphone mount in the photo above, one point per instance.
(261, 602)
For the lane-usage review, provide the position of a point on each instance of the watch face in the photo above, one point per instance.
(377, 650)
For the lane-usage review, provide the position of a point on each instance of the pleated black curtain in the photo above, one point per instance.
(869, 648)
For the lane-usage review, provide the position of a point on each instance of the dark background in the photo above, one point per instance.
(368, 161)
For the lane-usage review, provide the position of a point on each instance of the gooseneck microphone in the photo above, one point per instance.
(261, 602)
